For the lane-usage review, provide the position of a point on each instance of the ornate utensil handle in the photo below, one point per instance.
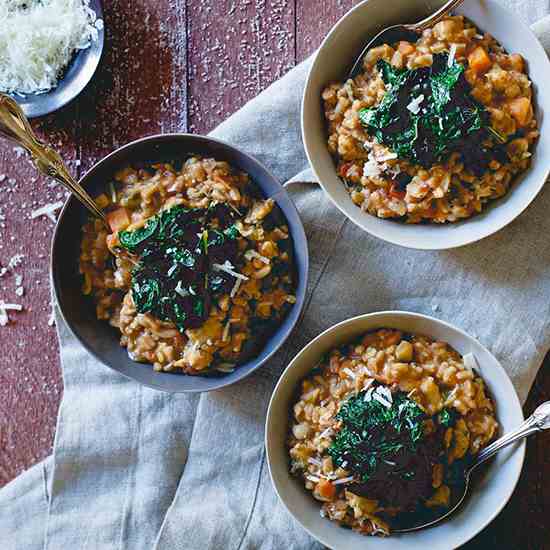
(434, 18)
(538, 421)
(15, 127)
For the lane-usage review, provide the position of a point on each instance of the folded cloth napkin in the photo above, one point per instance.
(136, 469)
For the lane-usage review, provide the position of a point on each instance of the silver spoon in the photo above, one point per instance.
(409, 32)
(15, 127)
(538, 421)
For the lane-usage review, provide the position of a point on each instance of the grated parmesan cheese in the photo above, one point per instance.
(349, 372)
(251, 254)
(229, 268)
(315, 461)
(314, 479)
(226, 367)
(371, 168)
(235, 288)
(225, 335)
(343, 480)
(368, 383)
(414, 105)
(4, 308)
(183, 292)
(452, 54)
(38, 39)
(47, 210)
(381, 400)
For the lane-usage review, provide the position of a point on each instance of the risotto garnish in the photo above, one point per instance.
(432, 131)
(385, 428)
(197, 270)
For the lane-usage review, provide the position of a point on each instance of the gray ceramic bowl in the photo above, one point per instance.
(78, 311)
(492, 486)
(78, 74)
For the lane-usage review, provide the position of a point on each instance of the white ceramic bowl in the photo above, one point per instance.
(334, 59)
(491, 488)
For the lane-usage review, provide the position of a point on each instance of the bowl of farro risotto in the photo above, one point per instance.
(199, 276)
(437, 142)
(373, 423)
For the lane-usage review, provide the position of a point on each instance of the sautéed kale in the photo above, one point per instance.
(428, 113)
(180, 251)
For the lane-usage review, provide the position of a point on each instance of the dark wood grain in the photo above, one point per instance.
(140, 89)
(314, 20)
(236, 49)
(173, 65)
(30, 379)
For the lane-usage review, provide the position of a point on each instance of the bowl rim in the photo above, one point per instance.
(379, 231)
(301, 284)
(54, 99)
(282, 381)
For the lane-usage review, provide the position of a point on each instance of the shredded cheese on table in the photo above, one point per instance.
(15, 261)
(47, 210)
(4, 308)
(38, 39)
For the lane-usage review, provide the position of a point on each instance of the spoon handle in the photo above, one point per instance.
(15, 127)
(435, 17)
(538, 421)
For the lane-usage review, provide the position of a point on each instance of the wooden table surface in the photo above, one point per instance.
(169, 66)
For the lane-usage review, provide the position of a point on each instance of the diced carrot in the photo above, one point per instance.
(118, 219)
(343, 170)
(405, 48)
(479, 60)
(396, 193)
(102, 201)
(520, 108)
(326, 489)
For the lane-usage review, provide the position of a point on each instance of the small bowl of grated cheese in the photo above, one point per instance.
(49, 51)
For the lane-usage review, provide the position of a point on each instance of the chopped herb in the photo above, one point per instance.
(447, 417)
(231, 232)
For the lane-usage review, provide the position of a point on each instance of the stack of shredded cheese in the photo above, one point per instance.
(38, 39)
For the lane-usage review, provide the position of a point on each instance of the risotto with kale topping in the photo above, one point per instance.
(197, 270)
(432, 131)
(383, 428)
